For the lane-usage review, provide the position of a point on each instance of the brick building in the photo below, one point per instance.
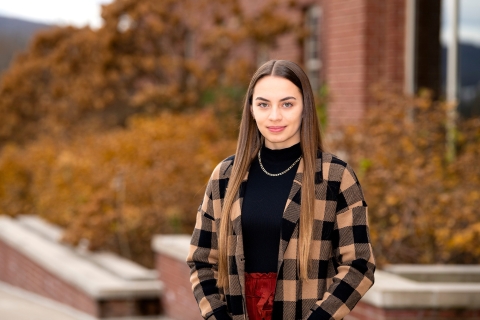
(354, 44)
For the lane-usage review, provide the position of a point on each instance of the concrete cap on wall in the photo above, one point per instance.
(392, 291)
(98, 274)
(437, 272)
(175, 245)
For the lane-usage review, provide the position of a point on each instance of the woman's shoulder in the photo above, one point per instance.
(223, 168)
(335, 166)
(327, 157)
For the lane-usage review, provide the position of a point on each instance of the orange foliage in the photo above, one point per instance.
(149, 56)
(423, 209)
(107, 132)
(119, 188)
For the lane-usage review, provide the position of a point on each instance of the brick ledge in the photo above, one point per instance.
(392, 291)
(69, 265)
(174, 245)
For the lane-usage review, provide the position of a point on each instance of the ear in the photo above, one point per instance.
(251, 111)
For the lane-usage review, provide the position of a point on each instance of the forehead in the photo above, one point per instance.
(275, 87)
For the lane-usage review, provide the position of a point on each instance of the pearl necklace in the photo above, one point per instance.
(276, 174)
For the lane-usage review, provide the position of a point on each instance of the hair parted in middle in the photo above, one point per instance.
(250, 141)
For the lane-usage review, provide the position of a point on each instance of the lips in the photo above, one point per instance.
(276, 128)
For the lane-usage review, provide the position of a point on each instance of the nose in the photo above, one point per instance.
(275, 114)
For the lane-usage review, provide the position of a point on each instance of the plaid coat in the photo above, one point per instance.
(342, 264)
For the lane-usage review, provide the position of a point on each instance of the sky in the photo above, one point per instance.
(469, 20)
(82, 12)
(61, 12)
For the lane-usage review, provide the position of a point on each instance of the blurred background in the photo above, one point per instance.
(113, 114)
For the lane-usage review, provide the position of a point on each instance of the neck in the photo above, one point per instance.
(289, 154)
(281, 145)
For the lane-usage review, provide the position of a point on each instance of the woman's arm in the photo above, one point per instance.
(203, 255)
(352, 253)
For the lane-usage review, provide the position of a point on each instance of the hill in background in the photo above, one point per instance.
(15, 35)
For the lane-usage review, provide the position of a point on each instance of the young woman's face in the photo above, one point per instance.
(277, 106)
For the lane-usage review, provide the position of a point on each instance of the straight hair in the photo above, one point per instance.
(250, 141)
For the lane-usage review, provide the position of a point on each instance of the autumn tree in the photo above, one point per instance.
(423, 208)
(112, 133)
(118, 189)
(149, 56)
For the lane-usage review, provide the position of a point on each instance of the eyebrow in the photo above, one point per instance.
(283, 99)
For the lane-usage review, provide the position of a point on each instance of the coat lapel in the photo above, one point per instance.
(291, 214)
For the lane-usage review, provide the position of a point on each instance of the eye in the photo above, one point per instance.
(287, 104)
(262, 105)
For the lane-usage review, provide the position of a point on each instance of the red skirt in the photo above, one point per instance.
(259, 294)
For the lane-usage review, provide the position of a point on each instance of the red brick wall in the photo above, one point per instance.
(365, 311)
(385, 43)
(363, 46)
(345, 31)
(19, 271)
(289, 46)
(177, 301)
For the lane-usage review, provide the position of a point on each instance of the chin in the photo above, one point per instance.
(275, 139)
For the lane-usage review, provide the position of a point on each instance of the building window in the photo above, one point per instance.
(468, 66)
(423, 50)
(312, 60)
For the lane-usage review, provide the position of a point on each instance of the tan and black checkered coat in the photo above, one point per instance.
(342, 263)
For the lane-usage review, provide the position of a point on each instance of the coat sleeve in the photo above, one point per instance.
(352, 252)
(203, 253)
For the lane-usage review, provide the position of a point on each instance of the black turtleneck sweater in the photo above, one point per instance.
(263, 205)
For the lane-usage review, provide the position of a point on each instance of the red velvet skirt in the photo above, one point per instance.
(259, 294)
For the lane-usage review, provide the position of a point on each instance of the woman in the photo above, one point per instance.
(282, 231)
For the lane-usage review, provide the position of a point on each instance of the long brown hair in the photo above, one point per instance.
(250, 141)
